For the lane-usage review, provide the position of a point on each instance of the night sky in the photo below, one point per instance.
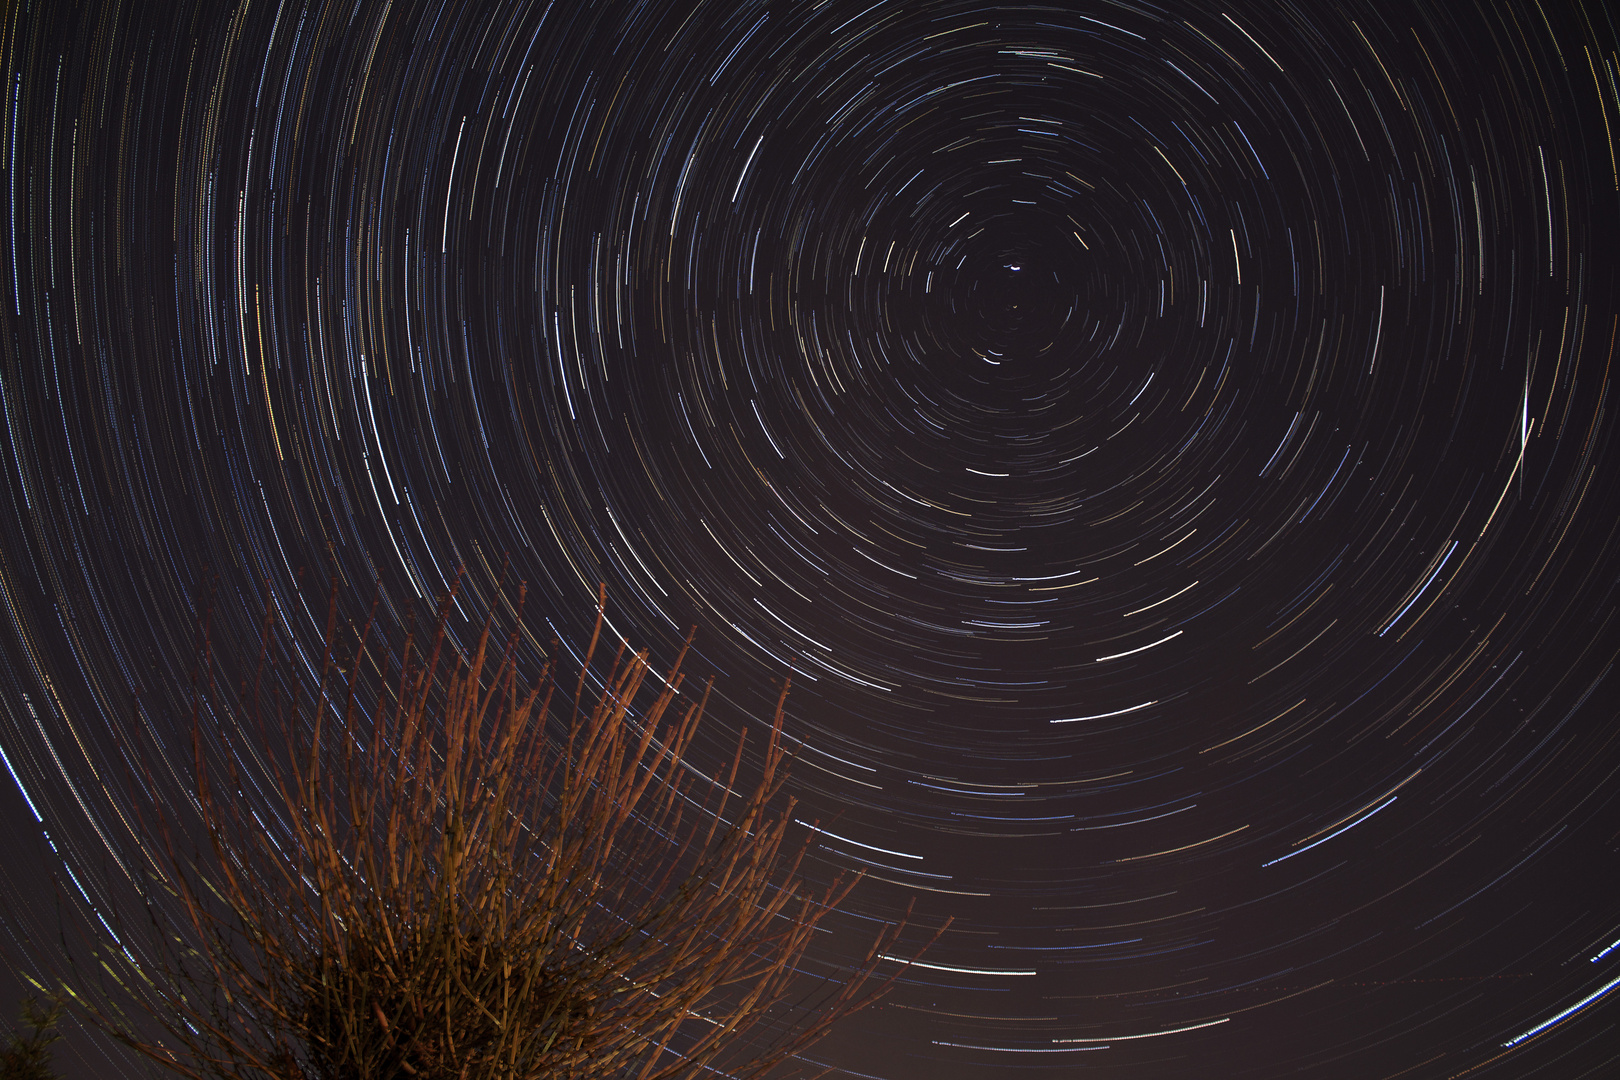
(1170, 449)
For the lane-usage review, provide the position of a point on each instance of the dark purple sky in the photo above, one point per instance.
(1170, 449)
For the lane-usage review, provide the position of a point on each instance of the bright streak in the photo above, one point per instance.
(1390, 625)
(1150, 1034)
(744, 174)
(1150, 645)
(1575, 1008)
(1104, 716)
(857, 843)
(1022, 1049)
(964, 970)
(1326, 838)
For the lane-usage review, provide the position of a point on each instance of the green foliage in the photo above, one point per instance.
(29, 1057)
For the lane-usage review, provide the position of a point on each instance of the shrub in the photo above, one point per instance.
(444, 882)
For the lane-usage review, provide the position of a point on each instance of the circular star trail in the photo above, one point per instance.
(1169, 449)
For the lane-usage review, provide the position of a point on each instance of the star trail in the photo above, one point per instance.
(1168, 448)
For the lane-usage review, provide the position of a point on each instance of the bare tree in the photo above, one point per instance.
(449, 882)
